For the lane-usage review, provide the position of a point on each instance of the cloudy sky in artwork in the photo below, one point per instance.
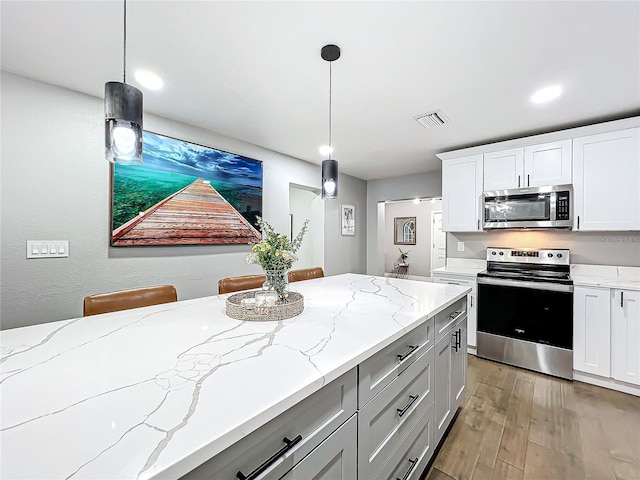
(172, 155)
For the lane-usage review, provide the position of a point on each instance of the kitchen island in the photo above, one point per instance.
(157, 391)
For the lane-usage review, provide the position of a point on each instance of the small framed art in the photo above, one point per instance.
(348, 219)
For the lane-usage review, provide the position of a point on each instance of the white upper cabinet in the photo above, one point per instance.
(606, 181)
(503, 169)
(461, 194)
(532, 166)
(547, 164)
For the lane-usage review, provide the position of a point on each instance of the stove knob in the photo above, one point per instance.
(493, 253)
(559, 255)
(501, 253)
(549, 255)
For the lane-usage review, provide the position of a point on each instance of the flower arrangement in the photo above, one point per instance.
(275, 253)
(403, 256)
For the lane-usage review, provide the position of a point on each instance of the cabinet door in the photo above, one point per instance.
(504, 169)
(625, 313)
(333, 459)
(459, 365)
(606, 181)
(592, 330)
(547, 164)
(467, 281)
(442, 386)
(461, 193)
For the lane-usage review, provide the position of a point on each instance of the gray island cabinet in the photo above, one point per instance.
(362, 385)
(381, 420)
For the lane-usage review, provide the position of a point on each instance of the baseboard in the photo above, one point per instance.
(609, 383)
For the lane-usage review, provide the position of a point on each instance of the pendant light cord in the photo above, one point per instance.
(124, 59)
(330, 144)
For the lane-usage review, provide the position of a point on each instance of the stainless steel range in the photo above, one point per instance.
(525, 310)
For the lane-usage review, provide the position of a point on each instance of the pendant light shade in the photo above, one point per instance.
(329, 179)
(123, 123)
(330, 53)
(123, 116)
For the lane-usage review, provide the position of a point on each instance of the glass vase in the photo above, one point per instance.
(278, 281)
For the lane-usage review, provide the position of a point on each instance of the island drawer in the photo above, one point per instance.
(385, 421)
(313, 419)
(409, 460)
(446, 319)
(382, 368)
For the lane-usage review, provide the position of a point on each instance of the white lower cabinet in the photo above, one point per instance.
(592, 330)
(472, 318)
(625, 319)
(333, 459)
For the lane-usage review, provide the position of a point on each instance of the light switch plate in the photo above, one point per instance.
(461, 246)
(47, 248)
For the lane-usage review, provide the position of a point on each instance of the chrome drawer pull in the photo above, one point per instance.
(271, 460)
(413, 463)
(402, 411)
(412, 348)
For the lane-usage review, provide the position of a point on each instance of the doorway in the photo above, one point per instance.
(306, 203)
(438, 241)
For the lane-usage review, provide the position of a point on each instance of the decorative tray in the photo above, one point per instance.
(237, 309)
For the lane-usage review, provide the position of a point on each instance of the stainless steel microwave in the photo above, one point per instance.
(538, 207)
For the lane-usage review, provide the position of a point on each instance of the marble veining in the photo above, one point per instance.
(155, 392)
(606, 276)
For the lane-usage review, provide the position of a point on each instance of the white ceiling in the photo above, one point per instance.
(252, 70)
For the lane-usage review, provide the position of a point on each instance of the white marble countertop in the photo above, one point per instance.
(467, 271)
(155, 392)
(605, 276)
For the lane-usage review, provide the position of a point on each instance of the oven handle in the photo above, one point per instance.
(553, 287)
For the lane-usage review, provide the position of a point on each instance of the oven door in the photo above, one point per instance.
(537, 312)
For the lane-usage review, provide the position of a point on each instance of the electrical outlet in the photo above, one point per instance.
(47, 248)
(461, 246)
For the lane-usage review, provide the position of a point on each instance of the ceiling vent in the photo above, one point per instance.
(432, 119)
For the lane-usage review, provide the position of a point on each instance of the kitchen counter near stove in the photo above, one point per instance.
(605, 276)
(155, 392)
(462, 266)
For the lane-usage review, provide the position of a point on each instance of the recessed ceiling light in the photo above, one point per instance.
(326, 150)
(547, 94)
(148, 79)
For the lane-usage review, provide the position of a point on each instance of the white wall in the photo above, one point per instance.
(419, 254)
(420, 185)
(55, 186)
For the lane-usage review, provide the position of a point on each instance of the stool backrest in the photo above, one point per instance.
(126, 299)
(244, 282)
(305, 274)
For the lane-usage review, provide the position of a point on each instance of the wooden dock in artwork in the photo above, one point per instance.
(197, 214)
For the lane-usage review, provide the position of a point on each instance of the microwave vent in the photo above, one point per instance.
(432, 119)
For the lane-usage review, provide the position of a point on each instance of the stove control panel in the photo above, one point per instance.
(528, 255)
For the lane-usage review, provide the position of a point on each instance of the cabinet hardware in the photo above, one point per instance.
(455, 314)
(289, 445)
(453, 283)
(412, 348)
(518, 181)
(459, 338)
(478, 224)
(413, 463)
(454, 341)
(578, 223)
(622, 299)
(412, 399)
(471, 300)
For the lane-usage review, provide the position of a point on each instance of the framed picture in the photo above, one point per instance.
(185, 194)
(348, 219)
(404, 230)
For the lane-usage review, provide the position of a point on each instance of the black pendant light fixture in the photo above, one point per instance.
(330, 53)
(123, 116)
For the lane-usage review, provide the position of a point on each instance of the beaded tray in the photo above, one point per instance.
(235, 308)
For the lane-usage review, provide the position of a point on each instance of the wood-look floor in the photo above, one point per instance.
(516, 424)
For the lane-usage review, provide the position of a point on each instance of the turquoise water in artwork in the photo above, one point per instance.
(137, 188)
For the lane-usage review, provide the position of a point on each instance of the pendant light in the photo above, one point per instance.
(123, 116)
(330, 53)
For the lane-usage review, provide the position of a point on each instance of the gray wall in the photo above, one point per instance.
(54, 185)
(420, 185)
(419, 254)
(594, 248)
